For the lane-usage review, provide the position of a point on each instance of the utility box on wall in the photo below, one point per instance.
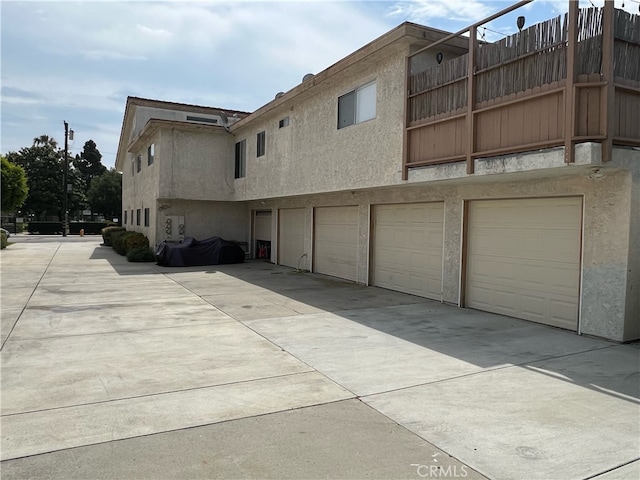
(174, 228)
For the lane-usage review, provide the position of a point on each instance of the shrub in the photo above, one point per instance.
(45, 228)
(107, 234)
(115, 238)
(3, 240)
(125, 241)
(141, 254)
(90, 228)
(134, 241)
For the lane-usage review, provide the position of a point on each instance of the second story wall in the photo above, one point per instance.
(311, 154)
(194, 164)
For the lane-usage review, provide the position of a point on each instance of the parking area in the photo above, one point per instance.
(113, 369)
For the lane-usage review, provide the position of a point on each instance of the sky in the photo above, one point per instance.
(78, 61)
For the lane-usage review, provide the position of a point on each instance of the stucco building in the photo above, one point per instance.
(413, 165)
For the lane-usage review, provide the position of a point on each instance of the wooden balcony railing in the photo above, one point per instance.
(571, 79)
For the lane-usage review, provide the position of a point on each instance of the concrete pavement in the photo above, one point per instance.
(118, 370)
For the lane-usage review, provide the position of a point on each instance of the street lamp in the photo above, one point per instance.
(68, 135)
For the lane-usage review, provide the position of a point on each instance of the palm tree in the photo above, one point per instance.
(44, 140)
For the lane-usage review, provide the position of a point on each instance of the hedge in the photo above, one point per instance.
(141, 254)
(107, 234)
(90, 228)
(125, 241)
(45, 228)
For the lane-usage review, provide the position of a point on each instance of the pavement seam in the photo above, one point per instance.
(191, 427)
(30, 296)
(421, 438)
(487, 370)
(273, 343)
(595, 475)
(113, 332)
(155, 394)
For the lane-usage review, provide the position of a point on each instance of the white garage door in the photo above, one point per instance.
(407, 248)
(336, 241)
(524, 259)
(291, 236)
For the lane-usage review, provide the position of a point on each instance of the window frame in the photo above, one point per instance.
(138, 217)
(146, 217)
(138, 163)
(348, 104)
(125, 217)
(240, 170)
(151, 154)
(284, 122)
(261, 144)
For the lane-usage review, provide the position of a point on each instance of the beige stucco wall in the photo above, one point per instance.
(608, 304)
(140, 189)
(311, 155)
(196, 165)
(204, 219)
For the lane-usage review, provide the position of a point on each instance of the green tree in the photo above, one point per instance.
(105, 194)
(43, 165)
(14, 185)
(89, 164)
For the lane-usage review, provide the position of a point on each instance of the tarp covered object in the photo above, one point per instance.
(192, 253)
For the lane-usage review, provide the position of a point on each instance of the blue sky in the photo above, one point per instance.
(78, 61)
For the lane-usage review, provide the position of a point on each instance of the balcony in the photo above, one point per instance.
(568, 80)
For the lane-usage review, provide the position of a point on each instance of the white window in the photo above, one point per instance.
(357, 106)
(151, 153)
(241, 159)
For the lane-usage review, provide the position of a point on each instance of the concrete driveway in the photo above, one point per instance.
(119, 370)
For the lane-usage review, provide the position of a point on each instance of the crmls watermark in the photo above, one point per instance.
(440, 471)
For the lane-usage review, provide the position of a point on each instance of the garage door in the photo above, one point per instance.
(524, 259)
(336, 241)
(407, 248)
(263, 225)
(291, 236)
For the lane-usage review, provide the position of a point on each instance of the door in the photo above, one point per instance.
(407, 248)
(336, 241)
(523, 258)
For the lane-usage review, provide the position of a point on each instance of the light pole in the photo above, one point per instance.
(68, 135)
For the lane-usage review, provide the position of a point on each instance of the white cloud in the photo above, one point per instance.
(426, 11)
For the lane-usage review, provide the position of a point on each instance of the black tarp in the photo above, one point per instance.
(191, 252)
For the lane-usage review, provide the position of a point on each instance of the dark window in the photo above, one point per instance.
(241, 158)
(133, 168)
(347, 109)
(202, 119)
(284, 122)
(139, 163)
(357, 106)
(125, 218)
(138, 216)
(151, 154)
(260, 147)
(146, 217)
(132, 216)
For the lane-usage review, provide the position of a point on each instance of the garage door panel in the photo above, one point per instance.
(407, 248)
(524, 258)
(291, 236)
(336, 241)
